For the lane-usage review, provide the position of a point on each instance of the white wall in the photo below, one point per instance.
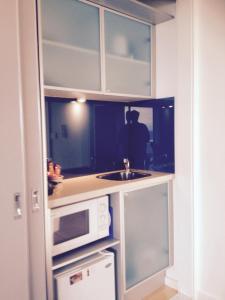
(166, 58)
(210, 147)
(200, 125)
(174, 78)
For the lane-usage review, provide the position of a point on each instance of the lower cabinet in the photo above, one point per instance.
(146, 233)
(140, 240)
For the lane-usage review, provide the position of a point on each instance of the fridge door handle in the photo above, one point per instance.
(35, 201)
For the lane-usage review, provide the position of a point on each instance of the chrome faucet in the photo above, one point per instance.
(126, 165)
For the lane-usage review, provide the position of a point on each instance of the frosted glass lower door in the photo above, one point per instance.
(146, 233)
(71, 44)
(128, 49)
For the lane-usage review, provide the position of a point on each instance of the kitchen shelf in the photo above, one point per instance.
(137, 9)
(94, 52)
(77, 254)
(63, 92)
(69, 47)
(128, 59)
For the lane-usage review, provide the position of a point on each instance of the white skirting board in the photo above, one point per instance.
(146, 287)
(204, 296)
(172, 283)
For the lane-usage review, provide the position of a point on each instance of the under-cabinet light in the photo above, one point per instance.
(81, 99)
(76, 107)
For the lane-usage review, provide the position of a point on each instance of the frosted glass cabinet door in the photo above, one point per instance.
(71, 44)
(127, 44)
(146, 233)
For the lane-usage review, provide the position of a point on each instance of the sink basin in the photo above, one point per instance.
(124, 176)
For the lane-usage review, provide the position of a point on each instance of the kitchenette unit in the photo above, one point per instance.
(99, 62)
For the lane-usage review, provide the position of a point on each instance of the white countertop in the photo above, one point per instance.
(86, 187)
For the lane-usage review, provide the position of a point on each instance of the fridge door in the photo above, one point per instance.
(89, 280)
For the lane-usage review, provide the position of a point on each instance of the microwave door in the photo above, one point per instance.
(73, 228)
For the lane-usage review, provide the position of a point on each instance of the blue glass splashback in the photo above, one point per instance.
(95, 136)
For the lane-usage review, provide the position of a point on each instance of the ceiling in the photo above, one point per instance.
(159, 12)
(168, 6)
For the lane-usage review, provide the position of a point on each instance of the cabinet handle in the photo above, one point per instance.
(18, 209)
(35, 201)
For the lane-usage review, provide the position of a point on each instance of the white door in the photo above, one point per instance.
(13, 219)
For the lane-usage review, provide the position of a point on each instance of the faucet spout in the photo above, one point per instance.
(126, 165)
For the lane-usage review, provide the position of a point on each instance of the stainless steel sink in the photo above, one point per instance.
(123, 175)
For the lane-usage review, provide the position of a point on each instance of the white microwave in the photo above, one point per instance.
(79, 224)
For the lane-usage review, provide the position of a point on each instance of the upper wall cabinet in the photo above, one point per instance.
(71, 44)
(127, 44)
(91, 49)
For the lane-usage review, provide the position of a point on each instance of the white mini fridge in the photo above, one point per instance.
(92, 278)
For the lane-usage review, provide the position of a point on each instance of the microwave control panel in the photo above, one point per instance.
(103, 214)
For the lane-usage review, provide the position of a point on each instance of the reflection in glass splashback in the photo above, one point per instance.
(95, 136)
